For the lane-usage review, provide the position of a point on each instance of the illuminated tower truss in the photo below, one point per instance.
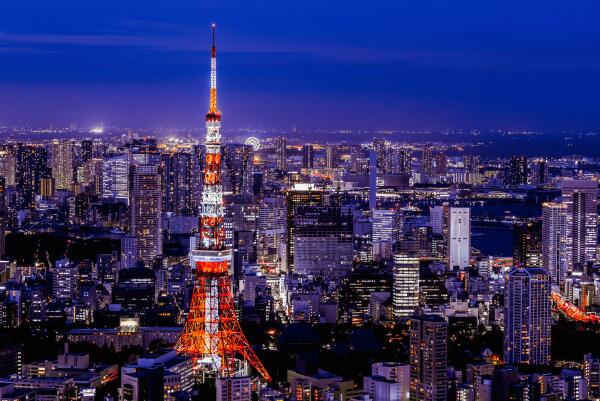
(212, 334)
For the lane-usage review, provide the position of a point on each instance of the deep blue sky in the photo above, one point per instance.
(316, 64)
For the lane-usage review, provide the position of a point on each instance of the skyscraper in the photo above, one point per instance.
(384, 155)
(405, 295)
(517, 171)
(373, 157)
(31, 167)
(8, 164)
(295, 199)
(459, 237)
(555, 257)
(146, 211)
(386, 225)
(62, 163)
(405, 160)
(237, 168)
(115, 177)
(178, 183)
(441, 164)
(331, 157)
(527, 316)
(527, 244)
(428, 357)
(323, 241)
(272, 233)
(581, 199)
(427, 161)
(308, 156)
(539, 172)
(280, 153)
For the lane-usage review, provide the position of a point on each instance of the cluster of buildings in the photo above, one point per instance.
(320, 233)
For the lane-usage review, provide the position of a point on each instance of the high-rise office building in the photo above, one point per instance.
(323, 241)
(65, 279)
(437, 219)
(3, 217)
(427, 161)
(441, 164)
(272, 233)
(178, 183)
(527, 316)
(308, 156)
(280, 153)
(8, 164)
(129, 251)
(459, 237)
(581, 198)
(331, 157)
(555, 257)
(85, 169)
(294, 199)
(527, 244)
(146, 211)
(405, 160)
(386, 225)
(384, 155)
(539, 172)
(31, 166)
(517, 171)
(373, 161)
(62, 163)
(115, 178)
(405, 291)
(428, 357)
(237, 168)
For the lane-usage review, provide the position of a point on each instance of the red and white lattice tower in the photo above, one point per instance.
(212, 334)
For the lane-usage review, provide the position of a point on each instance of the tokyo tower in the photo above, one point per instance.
(212, 335)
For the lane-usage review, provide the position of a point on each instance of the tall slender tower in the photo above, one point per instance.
(212, 334)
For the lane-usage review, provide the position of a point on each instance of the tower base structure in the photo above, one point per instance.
(212, 335)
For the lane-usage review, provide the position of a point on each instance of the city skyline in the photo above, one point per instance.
(298, 264)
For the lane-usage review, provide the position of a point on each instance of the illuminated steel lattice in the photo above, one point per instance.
(212, 334)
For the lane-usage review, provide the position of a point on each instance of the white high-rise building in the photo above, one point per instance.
(527, 316)
(405, 296)
(388, 381)
(386, 225)
(459, 237)
(65, 277)
(581, 199)
(115, 178)
(554, 241)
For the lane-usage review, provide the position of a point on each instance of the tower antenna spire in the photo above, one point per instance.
(213, 112)
(213, 33)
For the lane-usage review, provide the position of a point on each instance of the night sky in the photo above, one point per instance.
(315, 64)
